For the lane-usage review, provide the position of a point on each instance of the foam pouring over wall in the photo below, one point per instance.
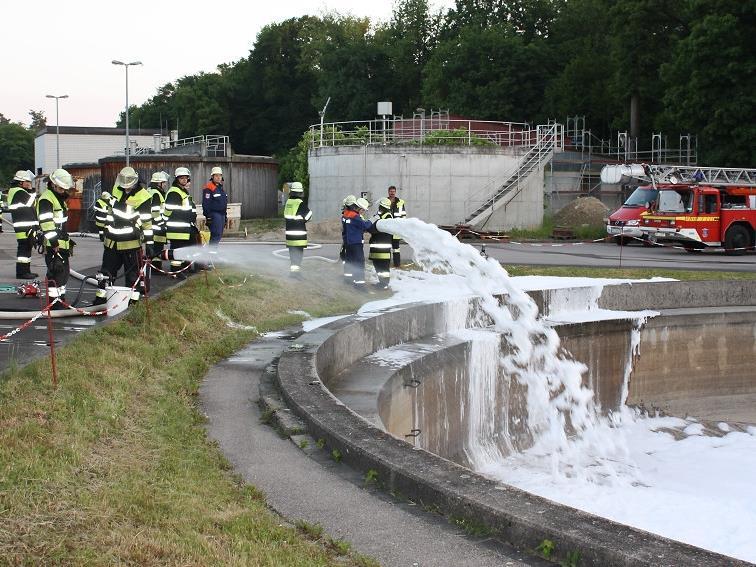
(562, 416)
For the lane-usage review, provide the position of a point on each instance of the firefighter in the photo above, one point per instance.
(354, 228)
(180, 217)
(21, 206)
(296, 214)
(215, 205)
(101, 213)
(128, 224)
(381, 244)
(52, 213)
(399, 212)
(348, 201)
(157, 191)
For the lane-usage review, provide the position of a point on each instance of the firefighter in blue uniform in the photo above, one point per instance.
(354, 228)
(296, 215)
(215, 205)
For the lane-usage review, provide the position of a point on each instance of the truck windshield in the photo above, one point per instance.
(675, 201)
(641, 196)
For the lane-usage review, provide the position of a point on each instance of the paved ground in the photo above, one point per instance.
(33, 342)
(306, 485)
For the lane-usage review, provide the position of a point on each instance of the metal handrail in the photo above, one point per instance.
(397, 130)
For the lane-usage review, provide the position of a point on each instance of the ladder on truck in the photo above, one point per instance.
(716, 176)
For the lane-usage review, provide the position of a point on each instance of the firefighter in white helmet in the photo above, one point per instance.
(381, 245)
(52, 213)
(296, 215)
(21, 206)
(157, 188)
(180, 218)
(354, 227)
(215, 205)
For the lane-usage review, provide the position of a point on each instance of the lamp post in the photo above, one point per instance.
(126, 66)
(57, 128)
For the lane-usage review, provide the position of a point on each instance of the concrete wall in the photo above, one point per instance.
(439, 184)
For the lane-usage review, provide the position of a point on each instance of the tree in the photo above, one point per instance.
(16, 149)
(38, 119)
(490, 74)
(710, 80)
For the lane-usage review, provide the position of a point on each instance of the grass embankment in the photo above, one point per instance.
(114, 465)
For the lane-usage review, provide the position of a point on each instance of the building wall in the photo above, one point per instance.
(75, 148)
(439, 184)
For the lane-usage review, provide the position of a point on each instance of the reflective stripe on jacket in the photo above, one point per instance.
(180, 216)
(380, 242)
(21, 207)
(52, 214)
(399, 212)
(158, 214)
(296, 214)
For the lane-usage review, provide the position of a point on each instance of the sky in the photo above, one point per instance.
(66, 48)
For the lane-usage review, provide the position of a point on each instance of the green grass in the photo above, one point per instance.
(114, 465)
(625, 273)
(544, 232)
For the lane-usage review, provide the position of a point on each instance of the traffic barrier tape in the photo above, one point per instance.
(28, 323)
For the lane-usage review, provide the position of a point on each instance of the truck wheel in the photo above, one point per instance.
(737, 240)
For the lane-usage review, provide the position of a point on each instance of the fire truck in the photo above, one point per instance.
(696, 208)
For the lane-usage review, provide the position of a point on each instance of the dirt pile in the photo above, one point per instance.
(585, 211)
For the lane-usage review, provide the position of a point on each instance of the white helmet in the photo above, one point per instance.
(159, 177)
(127, 178)
(349, 200)
(362, 203)
(216, 171)
(105, 195)
(62, 179)
(296, 187)
(385, 203)
(23, 176)
(182, 171)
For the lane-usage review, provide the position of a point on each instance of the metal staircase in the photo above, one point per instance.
(549, 137)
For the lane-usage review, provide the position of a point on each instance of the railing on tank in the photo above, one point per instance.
(209, 145)
(625, 149)
(420, 130)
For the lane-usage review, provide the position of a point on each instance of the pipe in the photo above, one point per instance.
(5, 315)
(82, 277)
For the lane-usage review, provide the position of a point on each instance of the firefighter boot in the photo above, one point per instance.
(23, 272)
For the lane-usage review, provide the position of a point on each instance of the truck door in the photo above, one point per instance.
(708, 216)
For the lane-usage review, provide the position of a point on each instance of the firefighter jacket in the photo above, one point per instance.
(180, 216)
(398, 211)
(101, 213)
(380, 242)
(129, 220)
(158, 215)
(21, 207)
(52, 213)
(214, 199)
(354, 227)
(296, 214)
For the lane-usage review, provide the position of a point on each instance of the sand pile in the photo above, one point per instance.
(581, 212)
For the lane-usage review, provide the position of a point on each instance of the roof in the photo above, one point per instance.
(98, 131)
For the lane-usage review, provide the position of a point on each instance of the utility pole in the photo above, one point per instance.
(57, 128)
(126, 66)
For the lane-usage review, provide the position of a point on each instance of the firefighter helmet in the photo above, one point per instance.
(182, 171)
(61, 178)
(23, 176)
(363, 203)
(296, 187)
(216, 171)
(385, 203)
(127, 178)
(349, 201)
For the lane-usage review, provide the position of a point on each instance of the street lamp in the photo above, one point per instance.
(57, 128)
(126, 65)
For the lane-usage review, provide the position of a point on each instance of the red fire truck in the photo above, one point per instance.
(700, 208)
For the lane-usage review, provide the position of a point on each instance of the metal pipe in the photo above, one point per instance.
(128, 141)
(57, 129)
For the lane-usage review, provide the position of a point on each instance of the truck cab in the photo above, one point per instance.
(624, 224)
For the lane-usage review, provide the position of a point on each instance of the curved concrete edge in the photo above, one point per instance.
(522, 519)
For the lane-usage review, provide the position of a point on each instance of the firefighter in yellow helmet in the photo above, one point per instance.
(52, 213)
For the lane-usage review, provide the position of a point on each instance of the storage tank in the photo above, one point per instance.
(251, 181)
